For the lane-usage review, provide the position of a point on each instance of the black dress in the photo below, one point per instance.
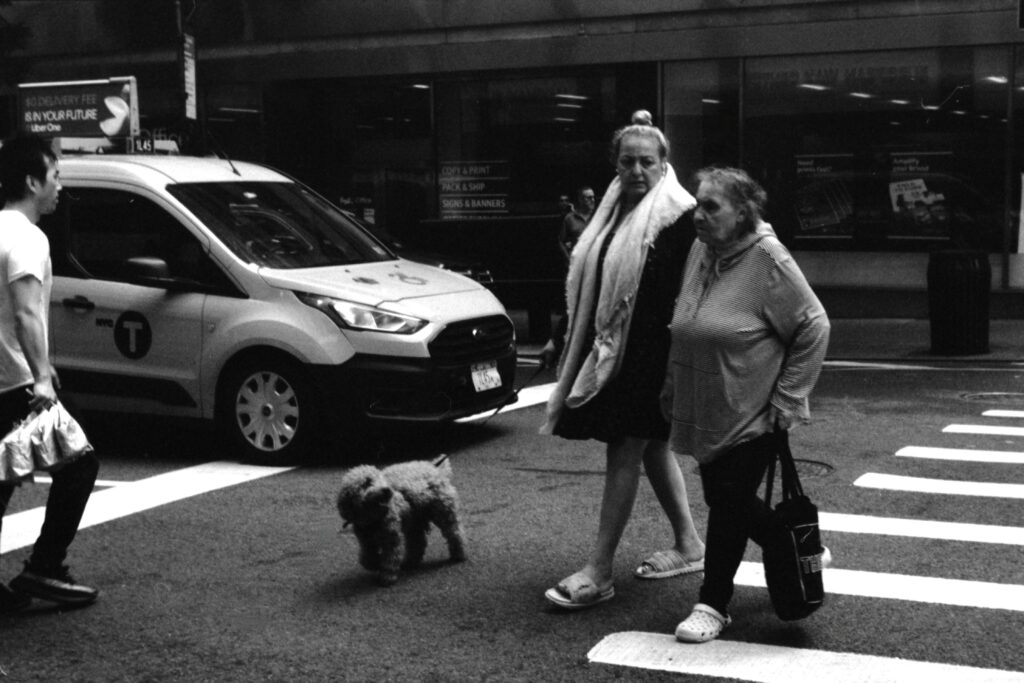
(629, 404)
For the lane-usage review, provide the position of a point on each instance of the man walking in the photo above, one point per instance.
(572, 227)
(574, 223)
(29, 187)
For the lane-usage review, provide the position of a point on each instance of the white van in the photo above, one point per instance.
(193, 287)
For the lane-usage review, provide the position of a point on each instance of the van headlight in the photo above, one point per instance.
(353, 316)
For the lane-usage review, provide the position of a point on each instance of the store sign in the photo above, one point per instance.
(473, 188)
(839, 83)
(102, 108)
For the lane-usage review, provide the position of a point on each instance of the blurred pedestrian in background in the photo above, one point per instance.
(572, 228)
(748, 340)
(622, 282)
(565, 206)
(577, 219)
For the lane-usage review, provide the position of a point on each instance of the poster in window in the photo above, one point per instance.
(824, 201)
(918, 194)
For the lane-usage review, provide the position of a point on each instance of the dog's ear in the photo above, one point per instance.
(345, 506)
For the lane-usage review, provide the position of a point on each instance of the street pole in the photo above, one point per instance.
(187, 75)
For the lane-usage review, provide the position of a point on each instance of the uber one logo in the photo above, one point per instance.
(132, 334)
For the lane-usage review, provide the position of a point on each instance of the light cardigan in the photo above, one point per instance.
(582, 372)
(747, 334)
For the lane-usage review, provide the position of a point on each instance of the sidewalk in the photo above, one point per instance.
(910, 340)
(877, 339)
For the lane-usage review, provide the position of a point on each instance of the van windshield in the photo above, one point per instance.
(279, 225)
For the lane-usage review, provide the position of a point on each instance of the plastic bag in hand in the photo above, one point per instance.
(16, 463)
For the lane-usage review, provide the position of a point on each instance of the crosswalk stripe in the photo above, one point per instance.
(962, 454)
(776, 664)
(1003, 413)
(896, 482)
(527, 397)
(927, 589)
(920, 528)
(21, 529)
(531, 396)
(994, 430)
(102, 483)
(874, 365)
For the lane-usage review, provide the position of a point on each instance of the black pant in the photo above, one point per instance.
(735, 514)
(69, 493)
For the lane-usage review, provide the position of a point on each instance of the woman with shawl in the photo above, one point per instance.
(623, 278)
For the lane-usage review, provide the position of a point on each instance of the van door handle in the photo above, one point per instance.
(79, 302)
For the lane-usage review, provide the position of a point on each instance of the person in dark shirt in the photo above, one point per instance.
(576, 220)
(623, 278)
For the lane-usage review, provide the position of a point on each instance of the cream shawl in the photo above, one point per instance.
(582, 372)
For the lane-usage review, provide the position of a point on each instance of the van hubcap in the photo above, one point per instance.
(267, 411)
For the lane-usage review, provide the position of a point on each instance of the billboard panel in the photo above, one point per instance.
(101, 108)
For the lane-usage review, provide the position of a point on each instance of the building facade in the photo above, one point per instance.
(883, 130)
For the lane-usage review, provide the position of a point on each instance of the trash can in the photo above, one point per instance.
(958, 301)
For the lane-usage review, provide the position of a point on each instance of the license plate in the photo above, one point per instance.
(485, 376)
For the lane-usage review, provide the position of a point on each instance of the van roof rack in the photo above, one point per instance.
(70, 145)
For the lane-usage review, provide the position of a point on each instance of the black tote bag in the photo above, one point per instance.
(791, 543)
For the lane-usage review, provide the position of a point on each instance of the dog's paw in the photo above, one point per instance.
(387, 579)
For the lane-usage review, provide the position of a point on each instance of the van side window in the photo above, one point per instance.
(108, 227)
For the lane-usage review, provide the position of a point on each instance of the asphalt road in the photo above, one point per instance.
(257, 581)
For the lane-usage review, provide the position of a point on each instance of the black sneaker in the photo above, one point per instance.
(11, 602)
(55, 586)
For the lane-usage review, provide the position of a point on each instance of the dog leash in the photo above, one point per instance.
(515, 394)
(511, 399)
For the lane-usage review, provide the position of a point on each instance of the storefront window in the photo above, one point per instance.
(702, 114)
(1015, 183)
(396, 153)
(234, 119)
(510, 146)
(8, 115)
(367, 145)
(881, 151)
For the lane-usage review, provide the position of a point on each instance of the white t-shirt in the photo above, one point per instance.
(24, 252)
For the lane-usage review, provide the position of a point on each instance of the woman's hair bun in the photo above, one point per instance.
(642, 117)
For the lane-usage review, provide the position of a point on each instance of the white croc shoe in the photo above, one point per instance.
(704, 623)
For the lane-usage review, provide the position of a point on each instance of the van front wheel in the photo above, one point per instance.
(269, 411)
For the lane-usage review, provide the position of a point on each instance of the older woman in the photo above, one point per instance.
(623, 277)
(748, 341)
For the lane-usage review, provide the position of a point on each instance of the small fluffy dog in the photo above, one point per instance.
(390, 511)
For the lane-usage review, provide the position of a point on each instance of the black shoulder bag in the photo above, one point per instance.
(791, 544)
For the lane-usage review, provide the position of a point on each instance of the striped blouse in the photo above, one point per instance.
(747, 333)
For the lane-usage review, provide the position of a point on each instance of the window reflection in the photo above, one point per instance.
(531, 138)
(882, 151)
(702, 114)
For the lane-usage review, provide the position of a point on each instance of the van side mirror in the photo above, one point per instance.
(144, 268)
(152, 271)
